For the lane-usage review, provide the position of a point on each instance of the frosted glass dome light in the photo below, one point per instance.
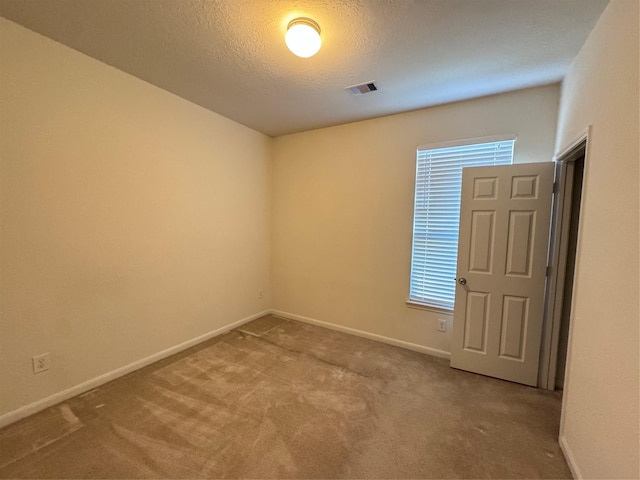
(303, 37)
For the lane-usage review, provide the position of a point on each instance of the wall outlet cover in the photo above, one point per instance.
(41, 363)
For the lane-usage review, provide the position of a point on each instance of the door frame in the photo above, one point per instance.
(557, 258)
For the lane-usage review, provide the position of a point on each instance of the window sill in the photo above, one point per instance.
(430, 308)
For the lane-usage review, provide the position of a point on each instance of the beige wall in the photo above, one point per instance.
(131, 219)
(600, 417)
(343, 208)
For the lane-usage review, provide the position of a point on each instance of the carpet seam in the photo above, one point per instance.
(310, 356)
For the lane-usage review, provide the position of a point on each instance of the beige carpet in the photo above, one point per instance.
(282, 399)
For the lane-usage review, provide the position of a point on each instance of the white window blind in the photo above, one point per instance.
(436, 216)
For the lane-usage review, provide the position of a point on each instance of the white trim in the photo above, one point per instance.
(360, 333)
(554, 295)
(423, 306)
(568, 456)
(469, 141)
(581, 137)
(584, 135)
(63, 395)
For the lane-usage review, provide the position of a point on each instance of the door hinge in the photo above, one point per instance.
(548, 272)
(555, 187)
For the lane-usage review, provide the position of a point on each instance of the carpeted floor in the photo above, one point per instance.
(283, 399)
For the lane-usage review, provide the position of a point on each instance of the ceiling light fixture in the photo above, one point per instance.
(303, 37)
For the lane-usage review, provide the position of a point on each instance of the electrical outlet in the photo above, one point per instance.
(442, 325)
(41, 363)
(260, 295)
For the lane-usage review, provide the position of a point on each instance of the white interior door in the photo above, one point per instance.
(502, 260)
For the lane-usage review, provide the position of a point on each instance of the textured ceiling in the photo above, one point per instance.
(229, 55)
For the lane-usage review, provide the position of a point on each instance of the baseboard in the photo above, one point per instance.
(568, 456)
(58, 397)
(360, 333)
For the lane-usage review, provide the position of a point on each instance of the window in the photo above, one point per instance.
(436, 214)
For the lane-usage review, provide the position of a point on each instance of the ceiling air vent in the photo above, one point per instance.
(362, 88)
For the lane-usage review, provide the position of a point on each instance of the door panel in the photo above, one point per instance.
(475, 335)
(481, 245)
(502, 255)
(519, 243)
(515, 312)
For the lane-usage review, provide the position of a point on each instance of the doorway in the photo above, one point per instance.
(565, 219)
